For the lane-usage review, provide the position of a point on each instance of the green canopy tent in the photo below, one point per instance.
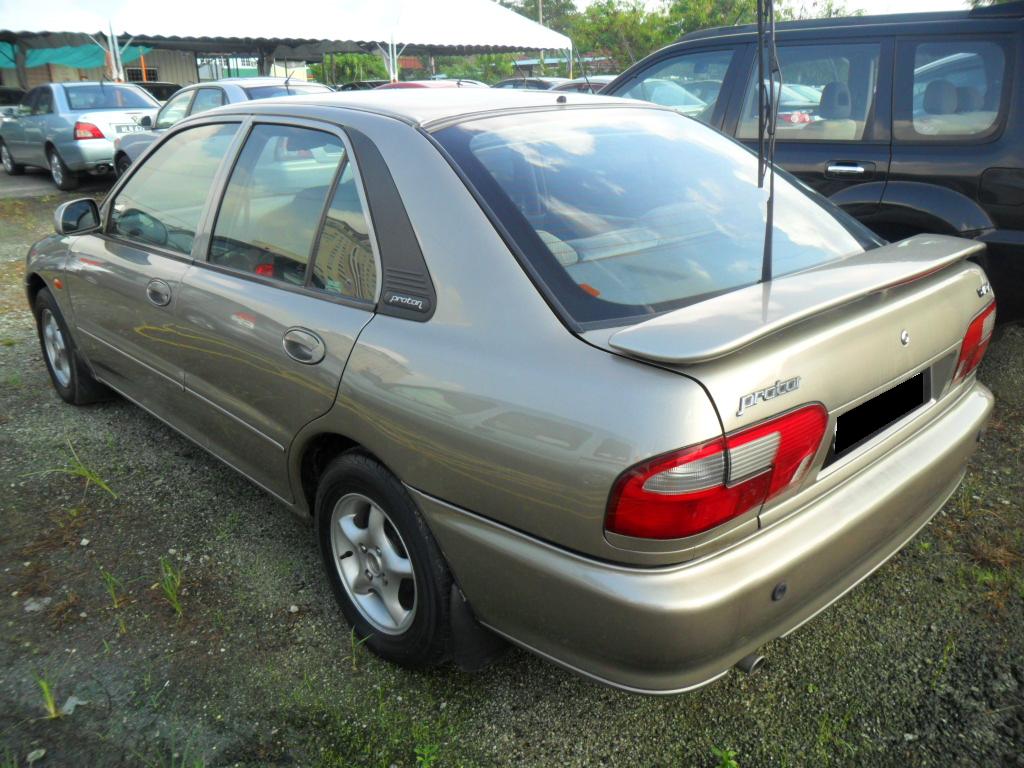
(74, 56)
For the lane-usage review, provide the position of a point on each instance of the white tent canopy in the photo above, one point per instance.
(458, 26)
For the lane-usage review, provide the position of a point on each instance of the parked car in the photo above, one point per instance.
(194, 99)
(70, 128)
(9, 100)
(531, 83)
(516, 366)
(912, 123)
(159, 90)
(453, 83)
(361, 85)
(589, 84)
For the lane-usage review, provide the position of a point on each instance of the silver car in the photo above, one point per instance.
(70, 128)
(194, 99)
(510, 355)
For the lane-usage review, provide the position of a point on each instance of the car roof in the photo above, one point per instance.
(422, 106)
(879, 23)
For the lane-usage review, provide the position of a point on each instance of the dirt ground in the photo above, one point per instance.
(923, 664)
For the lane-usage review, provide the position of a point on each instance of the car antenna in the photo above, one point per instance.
(287, 80)
(583, 69)
(767, 116)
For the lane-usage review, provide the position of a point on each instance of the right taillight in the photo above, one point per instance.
(698, 488)
(87, 131)
(976, 340)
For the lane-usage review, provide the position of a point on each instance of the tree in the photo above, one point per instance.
(623, 30)
(558, 14)
(982, 3)
(345, 67)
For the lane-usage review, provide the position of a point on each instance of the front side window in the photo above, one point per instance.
(162, 201)
(828, 92)
(174, 110)
(956, 89)
(107, 96)
(275, 197)
(207, 98)
(623, 212)
(689, 83)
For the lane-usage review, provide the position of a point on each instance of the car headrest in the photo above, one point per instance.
(835, 102)
(968, 99)
(940, 98)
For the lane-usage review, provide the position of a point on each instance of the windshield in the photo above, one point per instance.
(639, 211)
(292, 89)
(107, 96)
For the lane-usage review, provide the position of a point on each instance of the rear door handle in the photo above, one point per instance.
(158, 292)
(849, 169)
(304, 346)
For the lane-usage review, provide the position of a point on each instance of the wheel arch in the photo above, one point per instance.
(34, 283)
(910, 207)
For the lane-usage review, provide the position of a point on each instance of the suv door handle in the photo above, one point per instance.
(158, 292)
(304, 346)
(849, 169)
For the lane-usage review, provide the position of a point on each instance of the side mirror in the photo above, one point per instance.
(146, 121)
(76, 216)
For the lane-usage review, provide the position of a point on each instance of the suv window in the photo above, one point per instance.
(162, 201)
(207, 98)
(272, 206)
(690, 83)
(344, 263)
(828, 92)
(956, 91)
(173, 110)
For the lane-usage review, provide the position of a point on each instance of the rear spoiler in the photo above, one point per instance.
(729, 322)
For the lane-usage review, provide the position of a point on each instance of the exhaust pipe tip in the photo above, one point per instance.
(751, 664)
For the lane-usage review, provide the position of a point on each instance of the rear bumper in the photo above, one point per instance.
(664, 630)
(87, 154)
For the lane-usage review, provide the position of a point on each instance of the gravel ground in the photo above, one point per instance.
(922, 665)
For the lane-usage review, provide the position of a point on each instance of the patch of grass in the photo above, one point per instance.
(354, 645)
(114, 587)
(943, 666)
(49, 700)
(5, 342)
(13, 380)
(726, 757)
(830, 741)
(170, 584)
(61, 612)
(77, 468)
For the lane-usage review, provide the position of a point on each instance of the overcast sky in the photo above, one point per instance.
(868, 6)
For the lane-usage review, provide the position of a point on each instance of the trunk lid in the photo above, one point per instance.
(116, 122)
(839, 334)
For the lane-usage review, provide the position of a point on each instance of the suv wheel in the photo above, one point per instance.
(68, 373)
(62, 176)
(385, 569)
(12, 168)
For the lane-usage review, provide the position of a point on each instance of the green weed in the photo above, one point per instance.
(49, 700)
(726, 757)
(114, 587)
(170, 583)
(78, 468)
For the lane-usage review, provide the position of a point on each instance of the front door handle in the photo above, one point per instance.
(849, 170)
(158, 292)
(304, 346)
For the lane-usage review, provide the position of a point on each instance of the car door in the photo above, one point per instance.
(833, 129)
(273, 309)
(14, 127)
(37, 126)
(124, 280)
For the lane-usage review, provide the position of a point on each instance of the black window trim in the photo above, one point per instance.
(903, 132)
(208, 221)
(877, 124)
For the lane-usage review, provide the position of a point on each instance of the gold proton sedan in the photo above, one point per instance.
(513, 356)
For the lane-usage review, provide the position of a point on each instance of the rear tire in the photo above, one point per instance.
(121, 165)
(69, 374)
(65, 179)
(12, 168)
(390, 579)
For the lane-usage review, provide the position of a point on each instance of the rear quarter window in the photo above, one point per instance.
(623, 213)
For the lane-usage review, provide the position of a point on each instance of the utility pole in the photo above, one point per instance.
(540, 20)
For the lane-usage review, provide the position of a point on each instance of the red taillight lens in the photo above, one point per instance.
(87, 131)
(976, 340)
(697, 488)
(266, 269)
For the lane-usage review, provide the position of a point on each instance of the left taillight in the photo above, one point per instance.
(975, 342)
(85, 130)
(698, 488)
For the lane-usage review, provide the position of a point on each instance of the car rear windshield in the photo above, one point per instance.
(107, 96)
(270, 91)
(626, 212)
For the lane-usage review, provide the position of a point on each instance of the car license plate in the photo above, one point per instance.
(129, 128)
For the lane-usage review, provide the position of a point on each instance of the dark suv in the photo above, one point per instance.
(912, 123)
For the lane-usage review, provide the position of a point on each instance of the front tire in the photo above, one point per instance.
(121, 165)
(385, 570)
(65, 179)
(69, 374)
(12, 168)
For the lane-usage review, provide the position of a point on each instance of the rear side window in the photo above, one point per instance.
(271, 211)
(207, 98)
(162, 201)
(828, 93)
(344, 264)
(627, 212)
(690, 83)
(44, 104)
(949, 90)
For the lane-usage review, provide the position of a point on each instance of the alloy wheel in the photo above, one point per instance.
(5, 157)
(56, 348)
(56, 171)
(373, 564)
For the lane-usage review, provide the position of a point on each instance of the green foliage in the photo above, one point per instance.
(346, 67)
(559, 15)
(49, 700)
(726, 757)
(114, 587)
(77, 468)
(488, 67)
(170, 583)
